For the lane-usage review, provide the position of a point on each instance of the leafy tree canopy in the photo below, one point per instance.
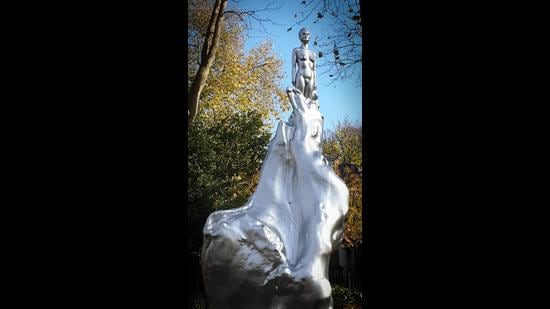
(230, 133)
(343, 148)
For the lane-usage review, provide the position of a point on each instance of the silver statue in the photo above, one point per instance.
(274, 251)
(304, 68)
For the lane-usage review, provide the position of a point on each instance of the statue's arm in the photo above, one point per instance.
(314, 70)
(294, 67)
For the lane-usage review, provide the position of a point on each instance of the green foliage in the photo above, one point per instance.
(345, 298)
(224, 158)
(345, 143)
(228, 139)
(225, 154)
(343, 147)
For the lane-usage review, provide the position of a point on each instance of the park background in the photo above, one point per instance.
(243, 100)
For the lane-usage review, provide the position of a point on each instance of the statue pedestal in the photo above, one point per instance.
(274, 251)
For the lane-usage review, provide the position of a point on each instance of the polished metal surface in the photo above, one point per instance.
(274, 251)
(304, 67)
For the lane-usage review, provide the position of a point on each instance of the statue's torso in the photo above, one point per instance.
(306, 61)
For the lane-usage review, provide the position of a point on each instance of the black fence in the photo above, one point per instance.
(344, 268)
(195, 284)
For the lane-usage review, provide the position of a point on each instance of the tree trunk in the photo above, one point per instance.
(208, 54)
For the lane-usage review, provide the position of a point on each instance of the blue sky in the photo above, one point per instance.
(340, 100)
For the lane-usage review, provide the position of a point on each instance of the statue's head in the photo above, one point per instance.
(304, 35)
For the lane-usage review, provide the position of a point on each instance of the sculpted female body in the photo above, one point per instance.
(304, 76)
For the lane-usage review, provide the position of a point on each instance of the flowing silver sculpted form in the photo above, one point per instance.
(274, 251)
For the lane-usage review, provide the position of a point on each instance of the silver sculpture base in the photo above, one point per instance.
(274, 251)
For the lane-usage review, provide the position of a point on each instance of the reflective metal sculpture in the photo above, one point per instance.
(274, 251)
(304, 72)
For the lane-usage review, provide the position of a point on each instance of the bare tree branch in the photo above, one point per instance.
(342, 48)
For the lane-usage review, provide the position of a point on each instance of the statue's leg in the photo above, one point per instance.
(300, 84)
(308, 89)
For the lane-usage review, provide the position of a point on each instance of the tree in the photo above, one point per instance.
(225, 157)
(236, 81)
(208, 53)
(206, 28)
(343, 148)
(341, 48)
(228, 138)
